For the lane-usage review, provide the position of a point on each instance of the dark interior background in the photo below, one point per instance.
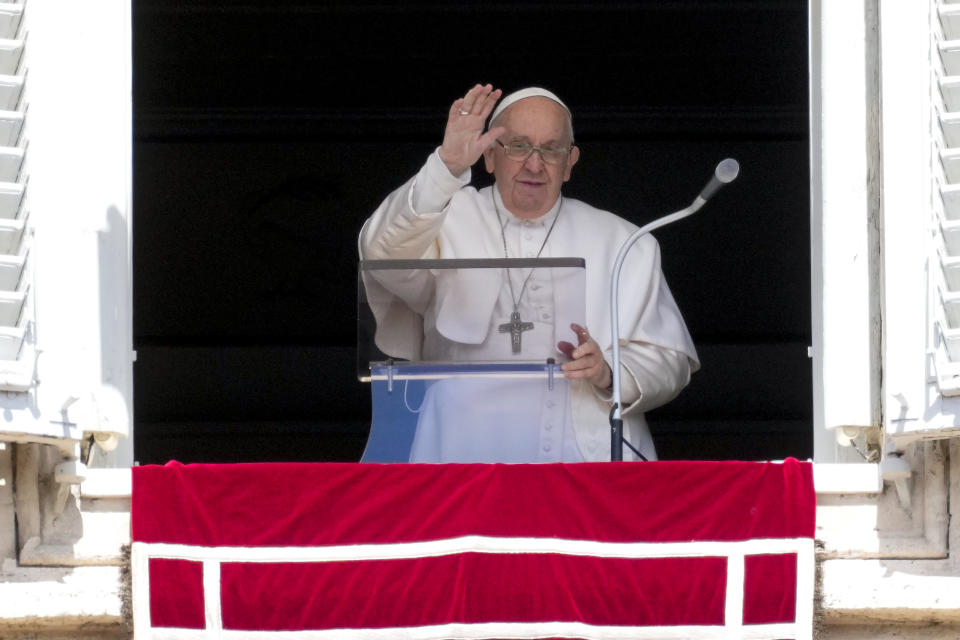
(265, 133)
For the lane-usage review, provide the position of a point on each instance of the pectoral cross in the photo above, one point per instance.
(515, 327)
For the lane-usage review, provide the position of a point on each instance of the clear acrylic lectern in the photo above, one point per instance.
(464, 357)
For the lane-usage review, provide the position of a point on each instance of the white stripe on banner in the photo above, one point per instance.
(504, 630)
(213, 616)
(477, 544)
(140, 588)
(735, 553)
(733, 609)
(806, 563)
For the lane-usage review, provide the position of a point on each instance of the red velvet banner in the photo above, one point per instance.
(350, 546)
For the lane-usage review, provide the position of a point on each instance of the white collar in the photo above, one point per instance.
(509, 217)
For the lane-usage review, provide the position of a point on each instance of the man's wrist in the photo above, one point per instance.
(608, 387)
(456, 170)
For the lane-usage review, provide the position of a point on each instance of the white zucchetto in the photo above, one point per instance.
(529, 92)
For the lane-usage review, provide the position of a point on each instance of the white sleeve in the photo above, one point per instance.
(406, 224)
(650, 376)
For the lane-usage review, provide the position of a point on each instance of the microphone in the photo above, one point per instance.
(725, 173)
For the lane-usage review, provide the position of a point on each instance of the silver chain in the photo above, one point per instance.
(503, 236)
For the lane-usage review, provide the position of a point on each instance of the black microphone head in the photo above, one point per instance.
(727, 171)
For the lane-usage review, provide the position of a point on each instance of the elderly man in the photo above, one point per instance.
(529, 148)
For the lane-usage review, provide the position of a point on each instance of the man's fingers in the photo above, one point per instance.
(476, 99)
(582, 362)
(486, 140)
(456, 107)
(489, 102)
(590, 368)
(470, 97)
(585, 344)
(463, 139)
(582, 334)
(582, 368)
(587, 362)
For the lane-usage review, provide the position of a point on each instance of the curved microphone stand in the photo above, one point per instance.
(725, 173)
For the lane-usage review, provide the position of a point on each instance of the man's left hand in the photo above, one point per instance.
(586, 360)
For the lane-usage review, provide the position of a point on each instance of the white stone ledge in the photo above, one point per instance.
(846, 478)
(890, 591)
(59, 598)
(830, 479)
(107, 483)
(849, 631)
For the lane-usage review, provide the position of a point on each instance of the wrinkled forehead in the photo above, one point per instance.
(536, 117)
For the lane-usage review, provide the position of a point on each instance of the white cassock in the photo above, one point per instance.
(436, 215)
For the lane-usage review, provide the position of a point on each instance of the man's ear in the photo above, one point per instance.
(488, 159)
(571, 160)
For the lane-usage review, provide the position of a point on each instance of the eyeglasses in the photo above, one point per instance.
(520, 151)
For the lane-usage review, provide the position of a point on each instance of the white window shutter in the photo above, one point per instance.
(920, 163)
(17, 353)
(845, 334)
(944, 273)
(65, 210)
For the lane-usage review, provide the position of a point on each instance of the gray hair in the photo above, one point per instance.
(532, 92)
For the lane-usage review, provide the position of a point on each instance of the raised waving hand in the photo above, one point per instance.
(463, 139)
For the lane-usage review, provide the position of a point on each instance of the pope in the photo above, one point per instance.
(526, 141)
